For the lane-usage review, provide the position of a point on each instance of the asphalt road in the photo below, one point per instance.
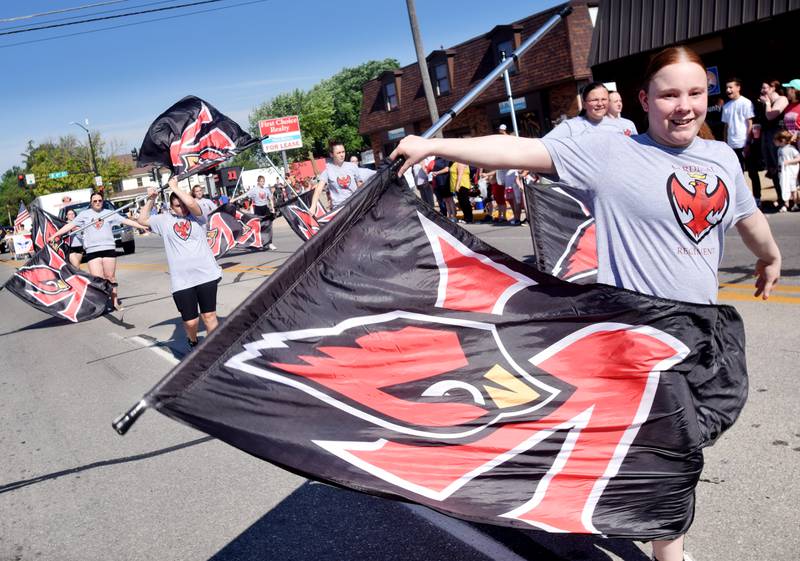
(71, 489)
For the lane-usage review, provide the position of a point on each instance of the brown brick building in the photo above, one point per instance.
(545, 83)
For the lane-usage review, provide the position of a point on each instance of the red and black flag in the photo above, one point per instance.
(228, 227)
(43, 228)
(302, 221)
(397, 354)
(192, 136)
(563, 233)
(51, 284)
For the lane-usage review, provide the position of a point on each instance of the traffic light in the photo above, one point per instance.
(21, 181)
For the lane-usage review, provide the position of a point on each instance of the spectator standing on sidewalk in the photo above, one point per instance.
(774, 103)
(421, 179)
(460, 185)
(737, 115)
(789, 160)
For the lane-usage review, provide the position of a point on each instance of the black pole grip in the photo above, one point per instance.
(125, 421)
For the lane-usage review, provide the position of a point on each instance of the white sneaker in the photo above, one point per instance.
(272, 247)
(782, 209)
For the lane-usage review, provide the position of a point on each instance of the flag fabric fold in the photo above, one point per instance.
(301, 219)
(228, 227)
(397, 354)
(44, 225)
(48, 282)
(192, 136)
(563, 232)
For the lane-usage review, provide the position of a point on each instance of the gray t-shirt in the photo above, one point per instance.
(259, 195)
(185, 241)
(207, 206)
(99, 236)
(580, 125)
(625, 126)
(661, 212)
(342, 180)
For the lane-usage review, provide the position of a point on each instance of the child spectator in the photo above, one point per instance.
(789, 160)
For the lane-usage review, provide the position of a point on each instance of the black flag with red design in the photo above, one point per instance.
(302, 221)
(51, 284)
(44, 225)
(191, 136)
(397, 354)
(228, 227)
(563, 233)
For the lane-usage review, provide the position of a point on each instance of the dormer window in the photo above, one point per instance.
(441, 79)
(390, 84)
(506, 39)
(440, 66)
(390, 95)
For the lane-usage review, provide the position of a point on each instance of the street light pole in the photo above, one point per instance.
(91, 145)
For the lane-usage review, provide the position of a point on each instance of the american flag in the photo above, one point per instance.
(22, 216)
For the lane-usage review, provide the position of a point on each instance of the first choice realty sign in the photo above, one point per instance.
(282, 133)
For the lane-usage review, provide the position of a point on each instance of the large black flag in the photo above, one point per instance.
(228, 227)
(44, 225)
(563, 232)
(190, 136)
(51, 284)
(396, 354)
(304, 222)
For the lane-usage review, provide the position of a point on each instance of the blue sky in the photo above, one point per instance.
(235, 58)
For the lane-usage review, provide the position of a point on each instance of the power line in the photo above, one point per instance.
(117, 16)
(128, 24)
(68, 18)
(75, 9)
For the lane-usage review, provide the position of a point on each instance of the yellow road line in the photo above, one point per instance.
(742, 286)
(733, 296)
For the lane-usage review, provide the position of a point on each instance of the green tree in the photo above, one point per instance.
(70, 155)
(330, 109)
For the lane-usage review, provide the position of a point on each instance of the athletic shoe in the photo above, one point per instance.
(513, 222)
(272, 247)
(192, 344)
(782, 209)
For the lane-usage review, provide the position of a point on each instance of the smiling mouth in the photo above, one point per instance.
(682, 122)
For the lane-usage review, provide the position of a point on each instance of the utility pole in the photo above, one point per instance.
(423, 64)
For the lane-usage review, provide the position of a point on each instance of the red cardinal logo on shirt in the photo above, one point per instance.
(697, 207)
(344, 181)
(182, 228)
(98, 224)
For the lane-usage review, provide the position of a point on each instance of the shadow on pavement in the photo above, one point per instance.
(318, 522)
(45, 323)
(56, 474)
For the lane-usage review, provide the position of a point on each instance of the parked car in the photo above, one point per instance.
(123, 234)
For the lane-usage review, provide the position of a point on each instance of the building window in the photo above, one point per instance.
(390, 94)
(139, 182)
(441, 79)
(506, 47)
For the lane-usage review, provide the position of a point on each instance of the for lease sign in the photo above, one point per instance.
(279, 134)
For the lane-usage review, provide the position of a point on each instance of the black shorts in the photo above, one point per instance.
(203, 295)
(102, 253)
(443, 191)
(76, 249)
(261, 210)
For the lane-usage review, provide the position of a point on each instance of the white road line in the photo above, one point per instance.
(154, 346)
(466, 534)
